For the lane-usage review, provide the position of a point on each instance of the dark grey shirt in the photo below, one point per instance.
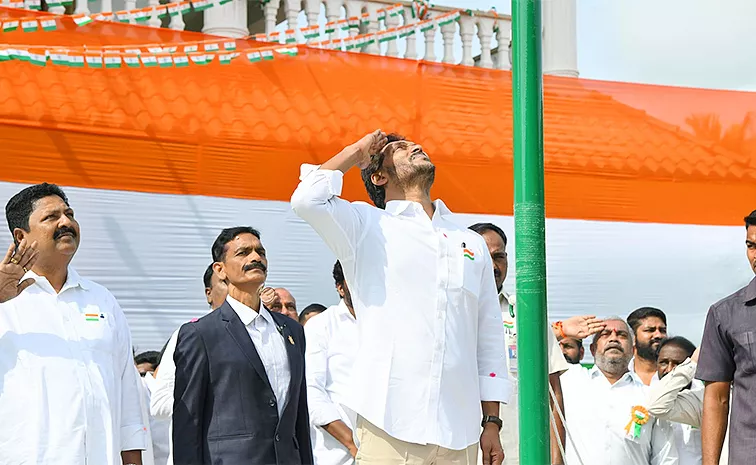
(728, 353)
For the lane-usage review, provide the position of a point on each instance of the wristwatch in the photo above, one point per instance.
(491, 419)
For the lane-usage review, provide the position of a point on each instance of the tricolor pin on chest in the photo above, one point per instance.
(467, 253)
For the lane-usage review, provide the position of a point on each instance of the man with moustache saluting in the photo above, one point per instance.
(240, 394)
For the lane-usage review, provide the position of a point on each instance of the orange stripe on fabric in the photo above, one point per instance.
(613, 151)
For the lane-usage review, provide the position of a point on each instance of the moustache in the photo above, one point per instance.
(64, 230)
(614, 346)
(255, 266)
(656, 341)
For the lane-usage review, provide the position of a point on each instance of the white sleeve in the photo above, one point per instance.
(557, 362)
(663, 448)
(338, 222)
(132, 431)
(322, 409)
(668, 401)
(494, 381)
(161, 401)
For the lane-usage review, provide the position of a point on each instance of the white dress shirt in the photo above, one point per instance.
(668, 399)
(69, 387)
(270, 346)
(329, 362)
(161, 396)
(160, 430)
(510, 429)
(148, 455)
(631, 367)
(597, 413)
(429, 323)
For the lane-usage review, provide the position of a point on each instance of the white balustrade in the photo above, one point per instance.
(482, 38)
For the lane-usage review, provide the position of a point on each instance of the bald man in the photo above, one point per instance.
(285, 303)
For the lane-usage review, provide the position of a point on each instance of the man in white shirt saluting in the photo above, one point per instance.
(69, 391)
(431, 367)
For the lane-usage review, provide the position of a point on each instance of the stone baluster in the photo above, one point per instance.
(447, 33)
(130, 5)
(154, 21)
(106, 6)
(502, 37)
(466, 31)
(485, 35)
(430, 44)
(270, 11)
(411, 51)
(292, 9)
(82, 7)
(229, 20)
(353, 11)
(177, 22)
(392, 49)
(58, 10)
(373, 27)
(333, 13)
(312, 11)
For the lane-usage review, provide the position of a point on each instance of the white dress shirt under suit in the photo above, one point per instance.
(597, 413)
(69, 391)
(430, 328)
(329, 362)
(161, 397)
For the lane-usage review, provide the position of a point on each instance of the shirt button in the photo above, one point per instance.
(278, 438)
(272, 403)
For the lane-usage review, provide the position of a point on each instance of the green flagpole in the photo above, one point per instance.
(530, 237)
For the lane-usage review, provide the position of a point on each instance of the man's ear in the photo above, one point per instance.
(18, 235)
(220, 270)
(378, 178)
(593, 349)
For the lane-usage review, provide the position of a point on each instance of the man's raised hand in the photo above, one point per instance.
(13, 267)
(369, 145)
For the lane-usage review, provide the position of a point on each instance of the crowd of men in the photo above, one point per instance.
(416, 364)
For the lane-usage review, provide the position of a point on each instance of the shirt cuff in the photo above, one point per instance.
(133, 437)
(324, 415)
(333, 178)
(495, 389)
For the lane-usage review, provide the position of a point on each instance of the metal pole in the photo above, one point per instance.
(530, 237)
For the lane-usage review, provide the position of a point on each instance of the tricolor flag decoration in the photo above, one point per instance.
(53, 4)
(60, 58)
(381, 14)
(92, 316)
(201, 5)
(311, 32)
(290, 51)
(212, 47)
(181, 61)
(469, 254)
(330, 28)
(76, 59)
(191, 48)
(267, 54)
(48, 24)
(164, 60)
(109, 16)
(34, 4)
(290, 36)
(365, 18)
(141, 16)
(231, 45)
(162, 11)
(131, 60)
(10, 26)
(4, 54)
(198, 58)
(343, 24)
(29, 25)
(38, 57)
(81, 19)
(260, 38)
(223, 2)
(406, 31)
(123, 16)
(274, 37)
(430, 25)
(254, 57)
(173, 9)
(354, 22)
(185, 7)
(94, 60)
(112, 60)
(148, 60)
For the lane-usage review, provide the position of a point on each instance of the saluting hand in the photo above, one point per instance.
(580, 327)
(369, 145)
(268, 296)
(13, 267)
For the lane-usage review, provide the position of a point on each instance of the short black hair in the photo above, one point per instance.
(635, 318)
(679, 341)
(480, 228)
(377, 194)
(19, 208)
(207, 278)
(338, 273)
(312, 308)
(226, 236)
(750, 220)
(151, 356)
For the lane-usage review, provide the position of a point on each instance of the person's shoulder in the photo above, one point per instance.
(322, 321)
(735, 299)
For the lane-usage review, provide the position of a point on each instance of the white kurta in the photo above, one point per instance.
(69, 391)
(430, 330)
(329, 360)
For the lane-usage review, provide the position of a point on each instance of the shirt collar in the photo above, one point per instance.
(343, 311)
(629, 376)
(750, 292)
(73, 280)
(247, 314)
(398, 207)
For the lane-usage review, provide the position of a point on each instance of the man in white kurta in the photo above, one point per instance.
(600, 403)
(69, 390)
(430, 364)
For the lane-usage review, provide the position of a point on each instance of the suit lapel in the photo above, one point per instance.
(241, 337)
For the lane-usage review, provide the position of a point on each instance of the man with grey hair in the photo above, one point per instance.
(605, 407)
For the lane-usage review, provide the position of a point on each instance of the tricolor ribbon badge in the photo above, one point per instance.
(467, 252)
(638, 417)
(94, 316)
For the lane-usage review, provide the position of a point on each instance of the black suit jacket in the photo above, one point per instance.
(224, 410)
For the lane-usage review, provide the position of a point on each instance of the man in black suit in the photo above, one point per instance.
(240, 395)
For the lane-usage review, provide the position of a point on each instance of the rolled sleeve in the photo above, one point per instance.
(494, 382)
(133, 437)
(339, 223)
(716, 361)
(557, 362)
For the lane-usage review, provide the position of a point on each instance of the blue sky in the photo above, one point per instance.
(692, 43)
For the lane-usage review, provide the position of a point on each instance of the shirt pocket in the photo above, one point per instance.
(95, 330)
(471, 277)
(745, 351)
